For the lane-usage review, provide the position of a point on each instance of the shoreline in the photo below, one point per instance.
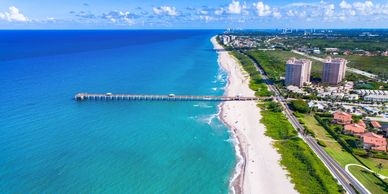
(258, 168)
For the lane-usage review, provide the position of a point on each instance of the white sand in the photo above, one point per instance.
(262, 172)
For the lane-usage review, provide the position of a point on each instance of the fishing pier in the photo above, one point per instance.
(170, 97)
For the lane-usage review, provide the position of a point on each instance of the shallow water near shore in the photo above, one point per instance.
(50, 143)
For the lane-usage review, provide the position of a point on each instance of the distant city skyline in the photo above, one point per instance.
(185, 14)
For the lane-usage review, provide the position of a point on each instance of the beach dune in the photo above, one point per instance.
(258, 169)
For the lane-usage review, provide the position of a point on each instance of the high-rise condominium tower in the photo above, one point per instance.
(298, 71)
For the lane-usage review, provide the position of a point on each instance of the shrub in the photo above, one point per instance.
(301, 121)
(360, 152)
(321, 143)
(324, 114)
(274, 106)
(309, 131)
(297, 114)
(300, 106)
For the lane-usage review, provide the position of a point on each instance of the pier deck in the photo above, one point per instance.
(139, 97)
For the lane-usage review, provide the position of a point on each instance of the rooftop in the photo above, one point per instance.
(334, 60)
(295, 61)
(355, 128)
(375, 124)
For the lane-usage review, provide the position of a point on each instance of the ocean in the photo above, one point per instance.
(50, 143)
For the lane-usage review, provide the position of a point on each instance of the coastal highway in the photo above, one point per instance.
(351, 185)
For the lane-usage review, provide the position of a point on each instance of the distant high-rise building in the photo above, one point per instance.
(333, 70)
(298, 72)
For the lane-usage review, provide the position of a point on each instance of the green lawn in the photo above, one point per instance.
(376, 64)
(342, 43)
(274, 64)
(333, 148)
(373, 184)
(373, 162)
(285, 55)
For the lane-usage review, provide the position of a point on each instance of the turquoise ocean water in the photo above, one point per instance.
(50, 143)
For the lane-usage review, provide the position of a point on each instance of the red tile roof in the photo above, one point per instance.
(375, 124)
(354, 128)
(380, 148)
(361, 123)
(342, 118)
(377, 141)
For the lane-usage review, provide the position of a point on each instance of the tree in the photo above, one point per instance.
(379, 167)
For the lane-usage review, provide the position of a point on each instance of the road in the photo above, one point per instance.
(353, 70)
(351, 185)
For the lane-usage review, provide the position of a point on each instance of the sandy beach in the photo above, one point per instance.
(258, 169)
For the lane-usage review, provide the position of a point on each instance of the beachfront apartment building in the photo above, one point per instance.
(333, 70)
(298, 72)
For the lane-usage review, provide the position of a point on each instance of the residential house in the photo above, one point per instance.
(374, 141)
(375, 124)
(362, 123)
(342, 118)
(354, 129)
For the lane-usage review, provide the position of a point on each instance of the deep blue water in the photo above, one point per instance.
(50, 143)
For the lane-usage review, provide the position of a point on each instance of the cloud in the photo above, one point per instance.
(300, 4)
(276, 14)
(120, 17)
(345, 5)
(84, 14)
(234, 7)
(206, 18)
(13, 15)
(203, 12)
(219, 11)
(364, 8)
(165, 10)
(263, 9)
(329, 10)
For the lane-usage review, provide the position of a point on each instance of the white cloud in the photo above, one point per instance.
(291, 13)
(364, 8)
(13, 15)
(263, 9)
(165, 10)
(276, 14)
(345, 5)
(329, 10)
(234, 7)
(206, 18)
(203, 12)
(299, 4)
(219, 11)
(120, 17)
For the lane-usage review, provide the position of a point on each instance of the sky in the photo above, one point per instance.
(192, 14)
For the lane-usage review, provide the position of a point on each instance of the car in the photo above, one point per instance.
(171, 95)
(108, 94)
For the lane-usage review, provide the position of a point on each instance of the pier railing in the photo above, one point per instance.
(171, 97)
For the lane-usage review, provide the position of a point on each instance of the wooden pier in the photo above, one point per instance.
(171, 97)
